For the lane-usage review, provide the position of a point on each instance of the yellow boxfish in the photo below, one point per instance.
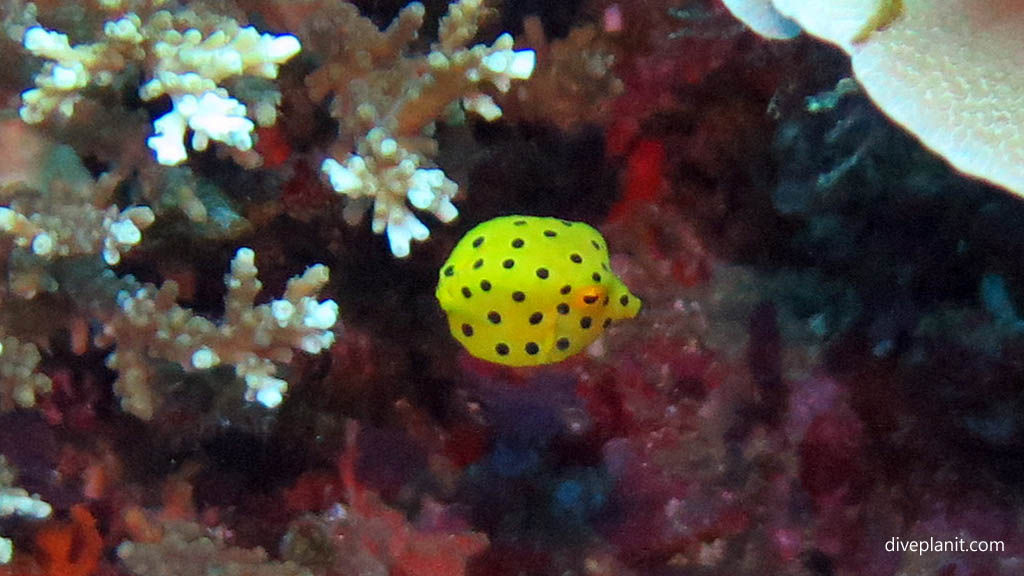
(527, 290)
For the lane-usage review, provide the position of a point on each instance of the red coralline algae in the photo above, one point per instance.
(371, 533)
(644, 179)
(272, 145)
(71, 548)
(832, 456)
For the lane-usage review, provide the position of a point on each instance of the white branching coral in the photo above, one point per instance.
(149, 324)
(390, 175)
(68, 214)
(386, 102)
(16, 501)
(185, 56)
(68, 230)
(19, 380)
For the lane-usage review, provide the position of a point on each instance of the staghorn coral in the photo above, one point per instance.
(946, 71)
(149, 324)
(53, 208)
(386, 100)
(574, 83)
(65, 230)
(15, 501)
(186, 55)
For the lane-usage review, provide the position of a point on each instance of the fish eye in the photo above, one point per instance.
(591, 294)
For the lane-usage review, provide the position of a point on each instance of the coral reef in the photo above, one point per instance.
(823, 379)
(188, 548)
(185, 55)
(386, 102)
(150, 325)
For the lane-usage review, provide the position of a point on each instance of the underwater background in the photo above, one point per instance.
(512, 287)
